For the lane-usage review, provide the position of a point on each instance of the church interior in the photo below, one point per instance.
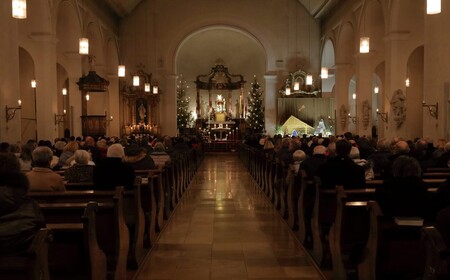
(397, 88)
(124, 68)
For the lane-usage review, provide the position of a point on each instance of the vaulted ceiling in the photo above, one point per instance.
(318, 8)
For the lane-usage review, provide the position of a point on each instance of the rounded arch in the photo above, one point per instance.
(96, 46)
(67, 19)
(345, 47)
(215, 28)
(373, 25)
(328, 60)
(27, 95)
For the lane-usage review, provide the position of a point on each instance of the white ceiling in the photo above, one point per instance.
(317, 8)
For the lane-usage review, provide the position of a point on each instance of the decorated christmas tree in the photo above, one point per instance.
(255, 113)
(184, 116)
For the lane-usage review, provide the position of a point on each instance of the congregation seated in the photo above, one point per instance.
(405, 194)
(25, 158)
(160, 156)
(311, 164)
(423, 154)
(380, 157)
(112, 171)
(138, 157)
(67, 153)
(81, 170)
(367, 165)
(20, 216)
(341, 170)
(41, 177)
(443, 159)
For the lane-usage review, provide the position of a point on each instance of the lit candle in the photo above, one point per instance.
(64, 111)
(19, 102)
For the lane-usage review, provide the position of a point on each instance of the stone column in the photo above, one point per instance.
(46, 91)
(168, 106)
(270, 103)
(9, 75)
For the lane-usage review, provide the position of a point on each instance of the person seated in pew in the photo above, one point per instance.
(405, 194)
(298, 157)
(380, 158)
(444, 158)
(41, 177)
(20, 216)
(138, 157)
(341, 170)
(368, 170)
(311, 164)
(81, 170)
(112, 171)
(159, 156)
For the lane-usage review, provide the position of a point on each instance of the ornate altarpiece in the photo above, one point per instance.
(219, 118)
(139, 105)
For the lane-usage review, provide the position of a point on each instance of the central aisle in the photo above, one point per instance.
(225, 228)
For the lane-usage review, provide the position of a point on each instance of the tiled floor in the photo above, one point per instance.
(224, 228)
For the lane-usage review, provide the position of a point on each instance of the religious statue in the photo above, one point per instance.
(343, 115)
(365, 114)
(142, 112)
(320, 129)
(398, 108)
(238, 113)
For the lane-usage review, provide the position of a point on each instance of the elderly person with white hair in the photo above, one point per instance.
(81, 170)
(41, 177)
(112, 171)
(368, 170)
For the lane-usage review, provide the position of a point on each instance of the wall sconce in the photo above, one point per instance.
(10, 112)
(60, 118)
(433, 109)
(383, 116)
(19, 9)
(353, 119)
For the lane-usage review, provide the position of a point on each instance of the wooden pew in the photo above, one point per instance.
(325, 212)
(112, 231)
(437, 243)
(132, 211)
(30, 265)
(392, 251)
(350, 230)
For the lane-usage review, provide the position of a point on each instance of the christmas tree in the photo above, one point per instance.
(255, 114)
(184, 116)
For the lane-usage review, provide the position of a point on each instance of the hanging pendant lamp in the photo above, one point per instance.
(84, 46)
(433, 7)
(309, 80)
(136, 81)
(364, 45)
(121, 71)
(324, 72)
(19, 9)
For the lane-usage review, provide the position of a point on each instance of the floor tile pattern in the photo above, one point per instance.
(225, 228)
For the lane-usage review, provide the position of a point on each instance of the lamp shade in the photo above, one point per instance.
(309, 80)
(33, 83)
(354, 96)
(407, 83)
(147, 87)
(288, 90)
(84, 46)
(296, 86)
(19, 9)
(87, 97)
(364, 44)
(324, 72)
(64, 91)
(376, 89)
(121, 71)
(155, 89)
(136, 81)
(433, 7)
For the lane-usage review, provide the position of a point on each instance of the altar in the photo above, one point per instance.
(221, 131)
